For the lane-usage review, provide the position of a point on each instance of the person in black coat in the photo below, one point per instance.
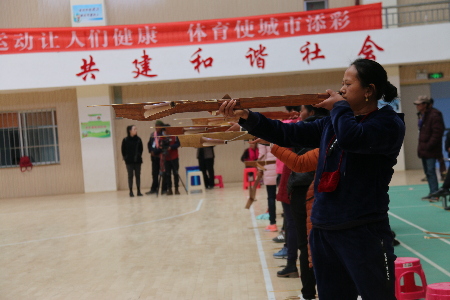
(132, 155)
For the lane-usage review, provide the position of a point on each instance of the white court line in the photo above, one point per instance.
(262, 258)
(418, 227)
(417, 253)
(424, 258)
(107, 229)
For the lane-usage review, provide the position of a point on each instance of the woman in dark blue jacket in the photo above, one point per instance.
(351, 239)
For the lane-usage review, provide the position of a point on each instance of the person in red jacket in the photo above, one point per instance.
(431, 130)
(251, 153)
(169, 146)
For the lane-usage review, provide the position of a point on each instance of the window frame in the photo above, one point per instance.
(305, 4)
(27, 142)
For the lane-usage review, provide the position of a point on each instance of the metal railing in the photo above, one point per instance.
(416, 14)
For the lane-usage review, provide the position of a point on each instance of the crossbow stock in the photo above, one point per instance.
(259, 165)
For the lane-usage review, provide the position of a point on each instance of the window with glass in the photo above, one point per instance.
(315, 4)
(29, 133)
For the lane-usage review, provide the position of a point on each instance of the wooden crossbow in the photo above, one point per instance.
(151, 111)
(213, 139)
(259, 164)
(194, 129)
(437, 235)
(217, 121)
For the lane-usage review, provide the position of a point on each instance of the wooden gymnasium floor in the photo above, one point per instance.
(198, 246)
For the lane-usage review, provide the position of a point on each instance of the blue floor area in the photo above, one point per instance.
(410, 217)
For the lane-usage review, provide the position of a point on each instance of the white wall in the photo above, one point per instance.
(98, 154)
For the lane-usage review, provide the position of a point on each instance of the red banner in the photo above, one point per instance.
(30, 40)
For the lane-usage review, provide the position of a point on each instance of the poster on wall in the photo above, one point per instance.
(95, 127)
(87, 13)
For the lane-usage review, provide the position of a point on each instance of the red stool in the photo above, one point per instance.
(405, 268)
(219, 178)
(438, 291)
(247, 172)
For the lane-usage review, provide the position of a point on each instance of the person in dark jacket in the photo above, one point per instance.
(351, 239)
(205, 158)
(441, 160)
(298, 186)
(132, 155)
(431, 130)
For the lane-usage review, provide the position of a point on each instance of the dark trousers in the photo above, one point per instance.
(429, 167)
(156, 160)
(298, 208)
(271, 198)
(290, 233)
(134, 170)
(172, 167)
(354, 261)
(207, 168)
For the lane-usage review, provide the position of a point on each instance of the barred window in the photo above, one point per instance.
(28, 133)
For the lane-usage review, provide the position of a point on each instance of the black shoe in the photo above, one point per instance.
(150, 192)
(169, 192)
(131, 194)
(279, 238)
(440, 193)
(177, 192)
(289, 272)
(430, 198)
(164, 192)
(139, 194)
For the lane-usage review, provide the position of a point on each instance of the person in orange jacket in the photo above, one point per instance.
(301, 195)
